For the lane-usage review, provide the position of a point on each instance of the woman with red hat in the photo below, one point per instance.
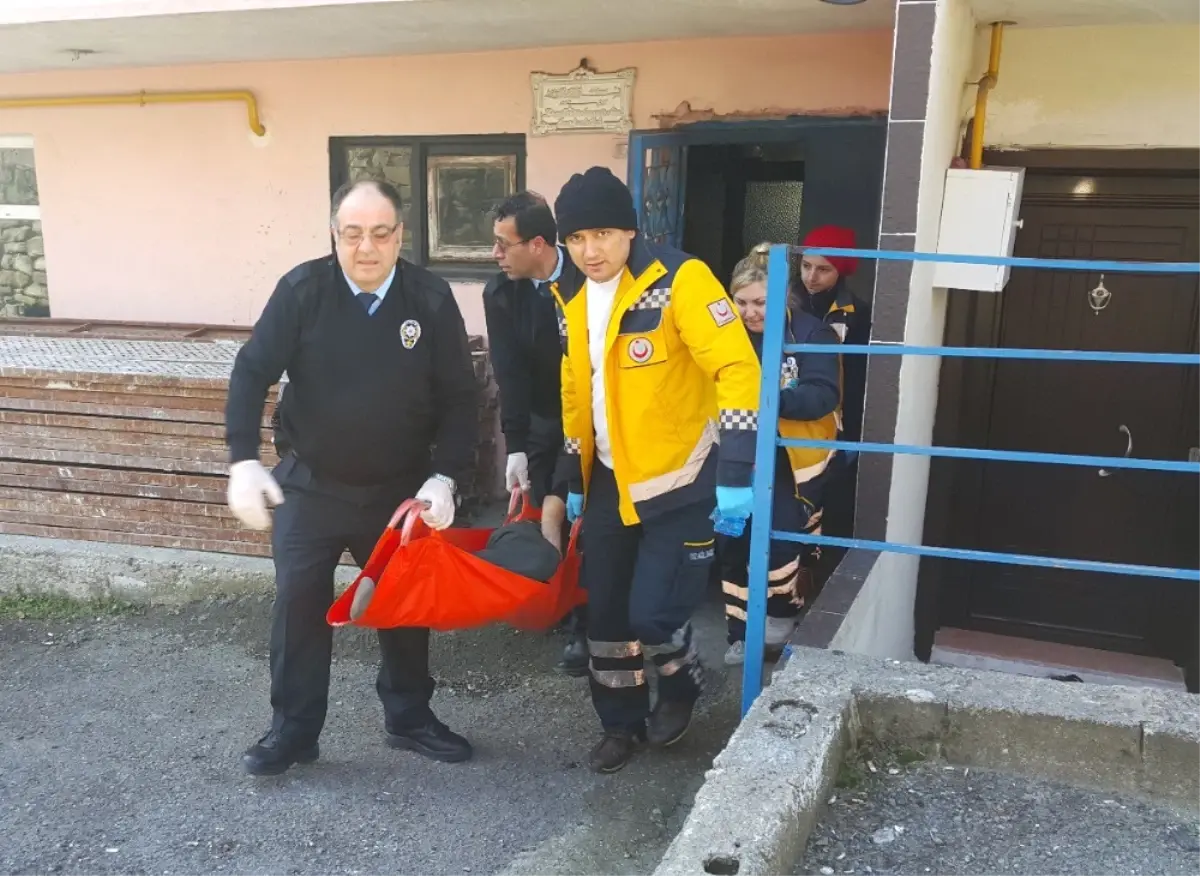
(823, 291)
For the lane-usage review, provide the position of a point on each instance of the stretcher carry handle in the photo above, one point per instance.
(406, 517)
(518, 505)
(409, 512)
(574, 541)
(520, 499)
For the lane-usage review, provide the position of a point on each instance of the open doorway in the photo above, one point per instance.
(716, 189)
(739, 195)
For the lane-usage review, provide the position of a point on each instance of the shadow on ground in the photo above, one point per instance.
(121, 740)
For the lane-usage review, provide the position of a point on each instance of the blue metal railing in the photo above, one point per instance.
(761, 533)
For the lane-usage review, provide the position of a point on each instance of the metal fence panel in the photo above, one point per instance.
(761, 532)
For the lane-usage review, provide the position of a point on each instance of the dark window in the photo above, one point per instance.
(450, 186)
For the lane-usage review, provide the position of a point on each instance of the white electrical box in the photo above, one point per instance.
(979, 217)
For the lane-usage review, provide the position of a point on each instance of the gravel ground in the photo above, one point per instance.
(930, 818)
(121, 740)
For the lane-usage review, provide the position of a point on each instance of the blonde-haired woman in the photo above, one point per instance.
(809, 398)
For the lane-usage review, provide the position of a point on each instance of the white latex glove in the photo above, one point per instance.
(440, 500)
(516, 472)
(251, 487)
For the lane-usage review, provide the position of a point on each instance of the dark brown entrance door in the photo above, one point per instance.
(1103, 409)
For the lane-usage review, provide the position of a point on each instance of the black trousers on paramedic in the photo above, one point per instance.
(317, 521)
(644, 582)
(787, 560)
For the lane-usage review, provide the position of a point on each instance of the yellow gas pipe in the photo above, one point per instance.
(986, 84)
(142, 98)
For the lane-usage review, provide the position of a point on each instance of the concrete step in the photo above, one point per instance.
(971, 649)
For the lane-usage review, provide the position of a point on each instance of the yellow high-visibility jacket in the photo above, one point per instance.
(681, 384)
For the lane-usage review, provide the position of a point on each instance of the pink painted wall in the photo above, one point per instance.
(178, 213)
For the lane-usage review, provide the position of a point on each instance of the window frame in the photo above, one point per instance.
(423, 147)
(26, 212)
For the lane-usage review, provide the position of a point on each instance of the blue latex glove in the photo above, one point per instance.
(574, 506)
(735, 501)
(730, 526)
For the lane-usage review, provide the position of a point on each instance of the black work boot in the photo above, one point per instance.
(669, 722)
(574, 660)
(433, 739)
(613, 751)
(272, 755)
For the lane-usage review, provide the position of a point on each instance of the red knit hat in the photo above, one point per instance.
(834, 237)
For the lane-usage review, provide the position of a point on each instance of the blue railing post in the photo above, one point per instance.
(764, 473)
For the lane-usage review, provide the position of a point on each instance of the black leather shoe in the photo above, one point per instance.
(434, 740)
(613, 751)
(574, 660)
(668, 722)
(272, 756)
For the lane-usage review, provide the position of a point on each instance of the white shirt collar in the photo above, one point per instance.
(557, 270)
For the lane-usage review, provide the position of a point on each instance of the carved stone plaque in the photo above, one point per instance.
(583, 101)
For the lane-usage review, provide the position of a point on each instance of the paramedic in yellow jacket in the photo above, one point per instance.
(660, 405)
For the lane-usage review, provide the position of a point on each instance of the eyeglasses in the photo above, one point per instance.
(505, 245)
(352, 235)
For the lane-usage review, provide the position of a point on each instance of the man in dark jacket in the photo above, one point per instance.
(526, 352)
(381, 405)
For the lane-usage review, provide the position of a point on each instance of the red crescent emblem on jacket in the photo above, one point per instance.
(721, 312)
(640, 350)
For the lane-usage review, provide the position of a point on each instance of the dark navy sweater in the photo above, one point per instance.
(817, 391)
(362, 407)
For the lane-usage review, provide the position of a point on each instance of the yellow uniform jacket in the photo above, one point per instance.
(682, 383)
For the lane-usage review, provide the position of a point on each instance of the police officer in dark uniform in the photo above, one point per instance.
(381, 406)
(526, 353)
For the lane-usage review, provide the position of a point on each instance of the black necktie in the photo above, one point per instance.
(367, 300)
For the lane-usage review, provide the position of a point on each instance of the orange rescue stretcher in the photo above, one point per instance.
(427, 578)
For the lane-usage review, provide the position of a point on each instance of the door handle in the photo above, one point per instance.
(1123, 429)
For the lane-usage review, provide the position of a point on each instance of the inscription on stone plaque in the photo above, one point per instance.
(583, 101)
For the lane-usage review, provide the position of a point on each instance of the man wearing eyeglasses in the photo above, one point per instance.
(381, 405)
(526, 353)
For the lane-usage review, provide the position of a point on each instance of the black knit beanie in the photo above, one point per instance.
(595, 199)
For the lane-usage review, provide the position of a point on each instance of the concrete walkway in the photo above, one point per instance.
(1043, 760)
(930, 817)
(122, 736)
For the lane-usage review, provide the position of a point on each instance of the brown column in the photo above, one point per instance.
(898, 224)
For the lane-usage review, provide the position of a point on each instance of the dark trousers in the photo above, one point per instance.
(317, 521)
(542, 447)
(788, 563)
(644, 582)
